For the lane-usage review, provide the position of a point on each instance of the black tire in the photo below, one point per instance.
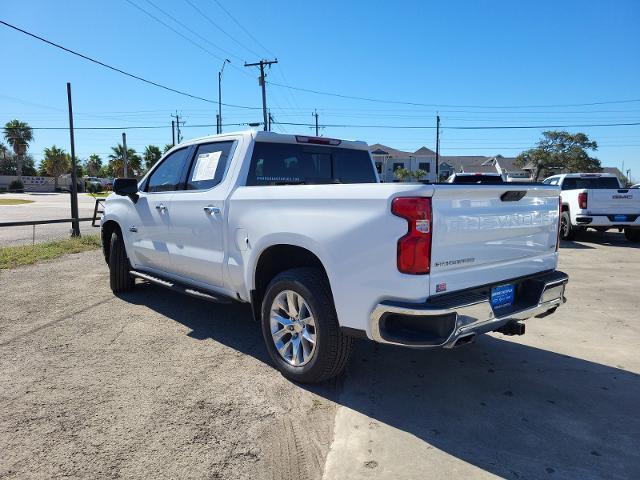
(332, 348)
(119, 267)
(567, 231)
(632, 234)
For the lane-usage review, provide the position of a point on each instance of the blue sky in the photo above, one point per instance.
(468, 58)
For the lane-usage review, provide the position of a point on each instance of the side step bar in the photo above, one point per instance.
(180, 288)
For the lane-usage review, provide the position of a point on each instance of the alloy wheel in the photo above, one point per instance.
(293, 328)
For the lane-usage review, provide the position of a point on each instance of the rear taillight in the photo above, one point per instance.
(582, 200)
(414, 248)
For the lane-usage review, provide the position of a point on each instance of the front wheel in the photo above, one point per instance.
(300, 327)
(567, 231)
(632, 234)
(119, 278)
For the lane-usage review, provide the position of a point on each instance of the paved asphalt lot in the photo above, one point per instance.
(46, 206)
(154, 385)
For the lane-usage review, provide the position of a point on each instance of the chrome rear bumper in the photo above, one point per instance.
(459, 315)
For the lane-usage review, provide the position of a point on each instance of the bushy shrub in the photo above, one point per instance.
(16, 186)
(93, 187)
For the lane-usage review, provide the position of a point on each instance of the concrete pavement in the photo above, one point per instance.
(46, 206)
(559, 402)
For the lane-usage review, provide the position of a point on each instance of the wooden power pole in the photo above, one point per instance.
(261, 81)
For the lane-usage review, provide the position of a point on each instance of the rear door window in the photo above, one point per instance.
(283, 163)
(208, 165)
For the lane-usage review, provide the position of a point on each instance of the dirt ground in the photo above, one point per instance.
(149, 385)
(155, 385)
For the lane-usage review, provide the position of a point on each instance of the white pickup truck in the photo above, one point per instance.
(598, 201)
(301, 228)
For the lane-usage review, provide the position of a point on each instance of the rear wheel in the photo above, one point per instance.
(300, 327)
(567, 231)
(632, 234)
(119, 278)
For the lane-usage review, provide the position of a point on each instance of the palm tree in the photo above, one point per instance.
(18, 135)
(116, 161)
(93, 165)
(151, 155)
(55, 162)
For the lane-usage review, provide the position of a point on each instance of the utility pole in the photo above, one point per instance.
(437, 148)
(270, 119)
(173, 133)
(178, 135)
(262, 83)
(219, 122)
(125, 155)
(315, 114)
(75, 224)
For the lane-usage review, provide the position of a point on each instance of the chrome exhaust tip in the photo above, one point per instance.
(464, 340)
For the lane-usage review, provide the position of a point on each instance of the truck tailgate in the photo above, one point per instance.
(483, 235)
(613, 201)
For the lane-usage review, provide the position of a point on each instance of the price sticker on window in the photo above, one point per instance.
(206, 165)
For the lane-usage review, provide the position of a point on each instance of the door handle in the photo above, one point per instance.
(161, 207)
(210, 210)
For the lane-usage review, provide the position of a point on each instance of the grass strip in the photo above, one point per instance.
(11, 257)
(13, 201)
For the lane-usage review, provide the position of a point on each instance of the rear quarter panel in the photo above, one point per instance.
(350, 228)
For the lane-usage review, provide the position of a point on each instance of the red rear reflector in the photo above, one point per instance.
(414, 248)
(582, 200)
(318, 140)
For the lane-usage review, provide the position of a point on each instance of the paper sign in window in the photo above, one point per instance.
(206, 166)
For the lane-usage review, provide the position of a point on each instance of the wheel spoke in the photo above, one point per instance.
(292, 304)
(308, 321)
(309, 337)
(296, 356)
(278, 334)
(283, 349)
(281, 320)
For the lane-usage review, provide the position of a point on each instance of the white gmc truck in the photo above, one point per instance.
(301, 228)
(598, 201)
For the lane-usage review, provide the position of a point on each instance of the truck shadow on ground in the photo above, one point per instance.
(510, 409)
(592, 237)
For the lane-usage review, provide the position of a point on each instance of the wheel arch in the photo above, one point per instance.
(276, 259)
(106, 231)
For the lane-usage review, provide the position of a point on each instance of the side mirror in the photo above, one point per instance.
(127, 187)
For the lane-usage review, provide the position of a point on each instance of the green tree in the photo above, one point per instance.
(404, 174)
(93, 165)
(151, 155)
(55, 162)
(560, 151)
(167, 147)
(80, 170)
(18, 135)
(116, 161)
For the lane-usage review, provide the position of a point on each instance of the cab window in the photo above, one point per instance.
(168, 176)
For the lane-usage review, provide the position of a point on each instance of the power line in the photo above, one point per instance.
(152, 16)
(417, 104)
(206, 17)
(148, 127)
(245, 30)
(115, 69)
(477, 127)
(427, 127)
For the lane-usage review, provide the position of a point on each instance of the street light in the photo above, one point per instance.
(226, 60)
